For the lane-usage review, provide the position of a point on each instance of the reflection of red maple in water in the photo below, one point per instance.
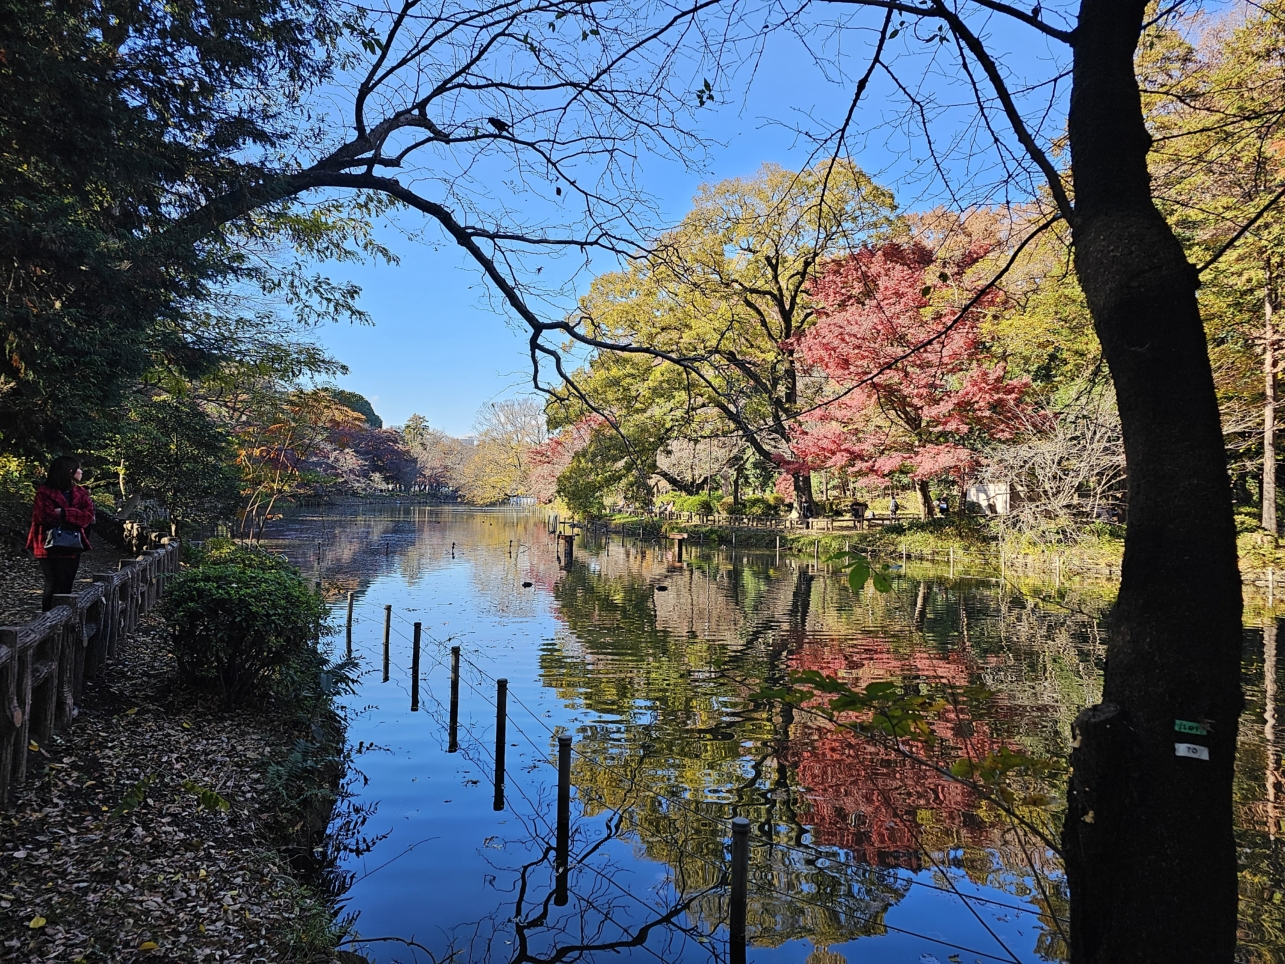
(863, 796)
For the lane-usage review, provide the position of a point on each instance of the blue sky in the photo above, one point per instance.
(437, 348)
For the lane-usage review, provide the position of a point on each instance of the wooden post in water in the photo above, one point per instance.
(740, 886)
(501, 717)
(388, 628)
(568, 544)
(414, 671)
(562, 857)
(453, 730)
(349, 625)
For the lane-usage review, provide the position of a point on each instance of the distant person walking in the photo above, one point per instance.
(62, 512)
(893, 507)
(859, 510)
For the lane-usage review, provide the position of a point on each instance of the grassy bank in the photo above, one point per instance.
(980, 545)
(973, 540)
(164, 823)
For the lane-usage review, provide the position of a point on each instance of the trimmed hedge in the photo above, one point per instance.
(243, 621)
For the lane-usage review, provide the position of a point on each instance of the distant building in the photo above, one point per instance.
(988, 498)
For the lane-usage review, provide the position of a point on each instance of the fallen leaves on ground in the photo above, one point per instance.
(147, 830)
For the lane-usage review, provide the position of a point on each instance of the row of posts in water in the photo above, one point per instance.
(562, 847)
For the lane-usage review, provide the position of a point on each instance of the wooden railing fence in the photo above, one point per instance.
(783, 523)
(44, 664)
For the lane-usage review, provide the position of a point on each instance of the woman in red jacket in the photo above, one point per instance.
(60, 504)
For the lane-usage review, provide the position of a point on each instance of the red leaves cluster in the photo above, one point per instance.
(551, 458)
(919, 394)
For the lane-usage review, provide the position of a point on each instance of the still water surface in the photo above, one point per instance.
(653, 666)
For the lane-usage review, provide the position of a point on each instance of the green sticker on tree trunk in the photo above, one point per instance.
(1186, 726)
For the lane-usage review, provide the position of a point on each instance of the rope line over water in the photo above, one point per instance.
(633, 786)
(810, 852)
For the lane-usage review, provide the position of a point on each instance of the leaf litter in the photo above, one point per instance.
(147, 831)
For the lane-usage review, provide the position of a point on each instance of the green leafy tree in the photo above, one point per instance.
(648, 407)
(113, 124)
(1214, 99)
(169, 449)
(724, 296)
(358, 403)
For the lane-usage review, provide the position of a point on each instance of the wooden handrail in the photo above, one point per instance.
(44, 663)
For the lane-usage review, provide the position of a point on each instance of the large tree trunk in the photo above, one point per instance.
(1148, 842)
(925, 498)
(803, 495)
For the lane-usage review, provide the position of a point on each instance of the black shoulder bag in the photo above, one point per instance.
(64, 538)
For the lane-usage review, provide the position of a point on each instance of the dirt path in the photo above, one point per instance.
(21, 583)
(150, 828)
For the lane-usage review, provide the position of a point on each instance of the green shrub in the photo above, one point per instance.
(727, 505)
(241, 624)
(225, 552)
(761, 506)
(697, 504)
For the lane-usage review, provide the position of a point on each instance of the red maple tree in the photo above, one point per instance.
(922, 413)
(550, 459)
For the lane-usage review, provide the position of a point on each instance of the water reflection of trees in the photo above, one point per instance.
(348, 548)
(1257, 792)
(676, 671)
(669, 676)
(679, 704)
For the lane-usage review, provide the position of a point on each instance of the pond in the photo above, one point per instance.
(662, 672)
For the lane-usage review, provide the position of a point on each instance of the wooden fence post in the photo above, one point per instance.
(501, 718)
(44, 663)
(12, 712)
(349, 624)
(740, 886)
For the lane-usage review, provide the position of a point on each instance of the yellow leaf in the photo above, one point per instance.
(187, 725)
(33, 746)
(37, 923)
(202, 873)
(131, 712)
(148, 946)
